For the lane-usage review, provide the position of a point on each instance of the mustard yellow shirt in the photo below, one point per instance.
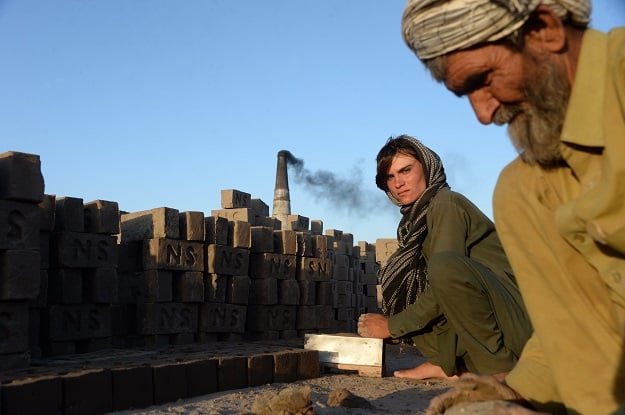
(564, 233)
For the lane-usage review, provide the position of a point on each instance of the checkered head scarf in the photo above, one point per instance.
(404, 277)
(432, 28)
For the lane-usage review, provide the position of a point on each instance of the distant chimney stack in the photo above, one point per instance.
(281, 198)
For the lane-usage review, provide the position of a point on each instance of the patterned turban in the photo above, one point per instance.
(435, 27)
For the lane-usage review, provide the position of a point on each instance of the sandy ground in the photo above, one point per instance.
(386, 395)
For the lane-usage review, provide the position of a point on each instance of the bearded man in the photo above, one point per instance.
(559, 207)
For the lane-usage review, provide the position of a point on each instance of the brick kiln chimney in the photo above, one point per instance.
(281, 198)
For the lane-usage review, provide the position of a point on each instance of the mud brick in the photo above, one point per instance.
(87, 392)
(130, 256)
(19, 225)
(173, 254)
(192, 226)
(307, 318)
(307, 291)
(341, 260)
(242, 214)
(304, 244)
(102, 216)
(307, 364)
(100, 285)
(123, 321)
(34, 328)
(288, 334)
(65, 286)
(337, 234)
(69, 214)
(288, 292)
(340, 273)
(239, 234)
(59, 348)
(232, 198)
(320, 246)
(232, 373)
(367, 257)
(216, 230)
(13, 361)
(266, 265)
(238, 290)
(20, 278)
(325, 293)
(201, 377)
(132, 387)
(285, 242)
(170, 382)
(259, 207)
(215, 288)
(348, 239)
(264, 291)
(285, 366)
(343, 300)
(166, 318)
(271, 317)
(297, 223)
(344, 314)
(371, 290)
(83, 250)
(325, 316)
(267, 335)
(341, 248)
(42, 299)
(181, 338)
(33, 396)
(20, 177)
(152, 286)
(261, 239)
(47, 213)
(44, 249)
(155, 223)
(371, 304)
(222, 259)
(273, 223)
(316, 227)
(317, 269)
(384, 248)
(14, 327)
(189, 287)
(67, 323)
(370, 267)
(343, 287)
(259, 369)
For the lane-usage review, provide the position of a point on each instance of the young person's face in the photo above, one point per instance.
(405, 178)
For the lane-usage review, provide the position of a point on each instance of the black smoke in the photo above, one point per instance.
(353, 193)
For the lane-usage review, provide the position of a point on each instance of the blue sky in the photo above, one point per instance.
(156, 103)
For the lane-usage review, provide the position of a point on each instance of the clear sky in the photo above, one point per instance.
(156, 103)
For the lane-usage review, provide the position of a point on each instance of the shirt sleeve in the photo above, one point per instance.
(415, 317)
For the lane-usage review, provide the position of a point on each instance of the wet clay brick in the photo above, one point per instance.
(260, 369)
(69, 215)
(20, 177)
(170, 382)
(36, 396)
(14, 327)
(167, 318)
(264, 291)
(285, 367)
(100, 285)
(242, 214)
(215, 288)
(87, 392)
(216, 230)
(232, 373)
(261, 239)
(67, 323)
(201, 377)
(132, 387)
(192, 226)
(20, 278)
(271, 317)
(308, 364)
(83, 250)
(222, 318)
(238, 290)
(232, 198)
(266, 265)
(65, 286)
(188, 287)
(285, 242)
(288, 292)
(150, 224)
(239, 234)
(222, 259)
(173, 254)
(102, 216)
(19, 225)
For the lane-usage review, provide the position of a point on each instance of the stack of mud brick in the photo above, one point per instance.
(81, 257)
(161, 277)
(369, 268)
(384, 248)
(21, 191)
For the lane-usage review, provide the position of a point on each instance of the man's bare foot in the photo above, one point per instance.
(424, 371)
(500, 376)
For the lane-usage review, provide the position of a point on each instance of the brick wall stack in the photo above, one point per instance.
(21, 190)
(345, 280)
(162, 276)
(228, 242)
(369, 268)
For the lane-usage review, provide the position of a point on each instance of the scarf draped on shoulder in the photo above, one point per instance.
(404, 276)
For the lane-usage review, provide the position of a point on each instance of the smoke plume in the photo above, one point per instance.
(353, 194)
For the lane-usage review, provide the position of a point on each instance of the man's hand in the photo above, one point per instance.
(373, 325)
(471, 387)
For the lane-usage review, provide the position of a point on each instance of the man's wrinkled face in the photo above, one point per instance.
(521, 89)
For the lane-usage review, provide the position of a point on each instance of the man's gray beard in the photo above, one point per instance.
(535, 128)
